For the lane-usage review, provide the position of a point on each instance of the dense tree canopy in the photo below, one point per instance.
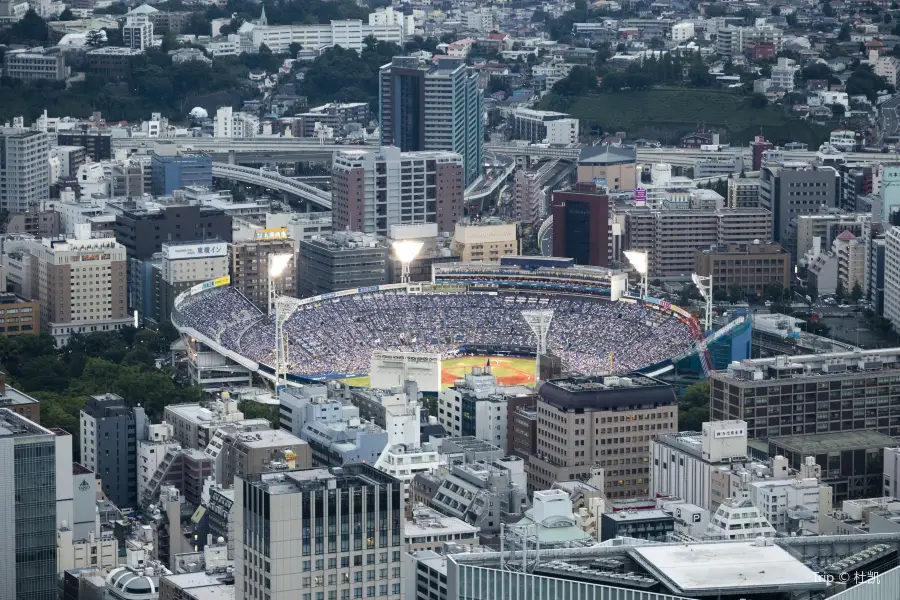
(693, 407)
(117, 362)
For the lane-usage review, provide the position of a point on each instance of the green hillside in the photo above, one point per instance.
(682, 110)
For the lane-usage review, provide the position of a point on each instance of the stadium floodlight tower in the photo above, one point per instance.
(638, 260)
(539, 321)
(704, 284)
(406, 251)
(282, 313)
(277, 264)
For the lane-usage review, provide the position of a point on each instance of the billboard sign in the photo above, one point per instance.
(202, 250)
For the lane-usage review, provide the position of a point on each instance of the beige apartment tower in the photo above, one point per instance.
(80, 284)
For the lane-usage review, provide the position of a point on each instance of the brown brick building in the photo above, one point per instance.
(750, 266)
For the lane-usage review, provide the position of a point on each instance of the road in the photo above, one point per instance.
(888, 119)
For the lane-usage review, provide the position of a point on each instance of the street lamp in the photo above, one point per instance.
(638, 260)
(406, 251)
(704, 284)
(277, 264)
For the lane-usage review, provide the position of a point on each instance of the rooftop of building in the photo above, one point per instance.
(268, 438)
(744, 249)
(12, 396)
(605, 391)
(470, 444)
(14, 425)
(308, 480)
(427, 521)
(607, 154)
(739, 568)
(115, 51)
(858, 363)
(346, 240)
(199, 579)
(8, 298)
(835, 441)
(625, 516)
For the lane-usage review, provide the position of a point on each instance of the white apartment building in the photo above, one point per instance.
(348, 33)
(887, 67)
(793, 504)
(151, 452)
(486, 417)
(682, 464)
(544, 126)
(682, 32)
(24, 168)
(231, 124)
(387, 16)
(892, 275)
(137, 33)
(783, 74)
(404, 455)
(739, 519)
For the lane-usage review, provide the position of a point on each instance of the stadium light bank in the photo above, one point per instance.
(406, 251)
(638, 260)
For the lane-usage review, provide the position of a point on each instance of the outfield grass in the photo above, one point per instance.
(509, 371)
(687, 108)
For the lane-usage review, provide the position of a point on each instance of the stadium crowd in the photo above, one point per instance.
(339, 335)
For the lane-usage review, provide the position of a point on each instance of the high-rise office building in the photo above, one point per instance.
(109, 433)
(794, 189)
(319, 533)
(604, 421)
(28, 508)
(24, 168)
(433, 107)
(581, 226)
(374, 190)
(250, 266)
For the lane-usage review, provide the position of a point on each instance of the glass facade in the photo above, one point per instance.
(35, 519)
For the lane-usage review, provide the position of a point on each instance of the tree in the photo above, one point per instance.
(735, 293)
(776, 11)
(716, 10)
(758, 100)
(866, 83)
(95, 38)
(827, 9)
(839, 291)
(66, 15)
(816, 71)
(844, 33)
(580, 81)
(294, 49)
(837, 110)
(774, 292)
(857, 293)
(693, 407)
(887, 18)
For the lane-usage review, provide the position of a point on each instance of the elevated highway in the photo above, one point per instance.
(274, 181)
(238, 150)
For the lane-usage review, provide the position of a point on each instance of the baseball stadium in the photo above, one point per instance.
(467, 314)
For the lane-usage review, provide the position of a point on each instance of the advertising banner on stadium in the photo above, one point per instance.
(392, 369)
